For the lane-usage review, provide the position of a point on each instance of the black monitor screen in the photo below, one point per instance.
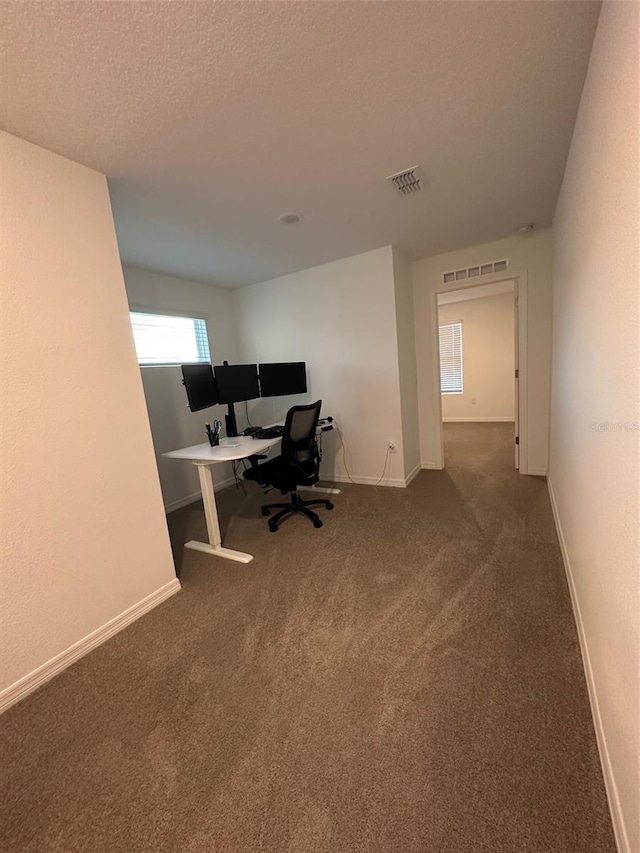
(237, 382)
(200, 386)
(282, 378)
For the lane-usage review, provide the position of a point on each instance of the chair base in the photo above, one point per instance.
(294, 506)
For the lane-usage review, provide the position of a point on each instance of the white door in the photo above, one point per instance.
(516, 443)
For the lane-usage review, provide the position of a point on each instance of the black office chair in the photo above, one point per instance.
(297, 465)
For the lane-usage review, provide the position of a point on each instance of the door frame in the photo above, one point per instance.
(520, 307)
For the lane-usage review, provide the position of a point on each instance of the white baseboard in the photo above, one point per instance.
(537, 472)
(617, 817)
(430, 466)
(197, 496)
(26, 685)
(223, 484)
(510, 420)
(362, 481)
(329, 477)
(413, 474)
(190, 499)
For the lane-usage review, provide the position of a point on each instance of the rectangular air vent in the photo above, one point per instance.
(407, 182)
(479, 269)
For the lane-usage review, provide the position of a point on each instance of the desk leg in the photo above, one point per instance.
(214, 546)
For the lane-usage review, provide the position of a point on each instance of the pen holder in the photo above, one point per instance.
(213, 435)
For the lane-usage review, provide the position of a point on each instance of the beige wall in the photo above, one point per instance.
(594, 471)
(340, 319)
(532, 253)
(488, 359)
(172, 424)
(84, 536)
(407, 363)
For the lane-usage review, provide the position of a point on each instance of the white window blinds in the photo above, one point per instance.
(163, 339)
(451, 358)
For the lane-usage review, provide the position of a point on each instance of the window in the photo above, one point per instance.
(162, 339)
(451, 358)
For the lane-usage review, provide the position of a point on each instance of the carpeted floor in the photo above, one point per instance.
(405, 680)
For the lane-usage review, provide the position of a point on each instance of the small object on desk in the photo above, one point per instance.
(250, 430)
(213, 434)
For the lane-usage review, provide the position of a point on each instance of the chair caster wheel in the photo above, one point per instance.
(273, 527)
(265, 511)
(317, 523)
(329, 505)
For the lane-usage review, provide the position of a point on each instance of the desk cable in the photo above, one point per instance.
(344, 446)
(238, 480)
(386, 459)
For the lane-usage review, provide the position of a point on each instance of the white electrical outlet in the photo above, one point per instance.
(392, 445)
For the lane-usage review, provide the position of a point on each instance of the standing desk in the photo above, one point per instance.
(204, 457)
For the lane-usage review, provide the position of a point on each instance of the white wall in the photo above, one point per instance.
(532, 253)
(594, 474)
(340, 318)
(488, 356)
(84, 535)
(172, 424)
(407, 363)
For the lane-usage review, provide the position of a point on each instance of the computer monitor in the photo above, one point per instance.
(281, 378)
(237, 382)
(200, 386)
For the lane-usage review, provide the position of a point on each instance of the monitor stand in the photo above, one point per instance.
(230, 423)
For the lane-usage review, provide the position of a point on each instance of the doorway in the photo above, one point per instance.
(480, 346)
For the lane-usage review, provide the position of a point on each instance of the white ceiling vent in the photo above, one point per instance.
(478, 270)
(408, 181)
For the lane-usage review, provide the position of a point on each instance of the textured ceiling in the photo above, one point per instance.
(212, 118)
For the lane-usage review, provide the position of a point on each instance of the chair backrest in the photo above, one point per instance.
(299, 446)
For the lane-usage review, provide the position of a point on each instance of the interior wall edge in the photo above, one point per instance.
(32, 681)
(413, 474)
(615, 806)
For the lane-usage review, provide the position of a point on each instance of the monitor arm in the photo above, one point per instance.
(230, 422)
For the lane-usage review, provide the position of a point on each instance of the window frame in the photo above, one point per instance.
(170, 312)
(440, 326)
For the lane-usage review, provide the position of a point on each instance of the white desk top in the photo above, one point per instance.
(228, 449)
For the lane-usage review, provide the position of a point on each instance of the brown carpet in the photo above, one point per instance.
(405, 680)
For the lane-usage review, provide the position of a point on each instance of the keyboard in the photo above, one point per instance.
(268, 432)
